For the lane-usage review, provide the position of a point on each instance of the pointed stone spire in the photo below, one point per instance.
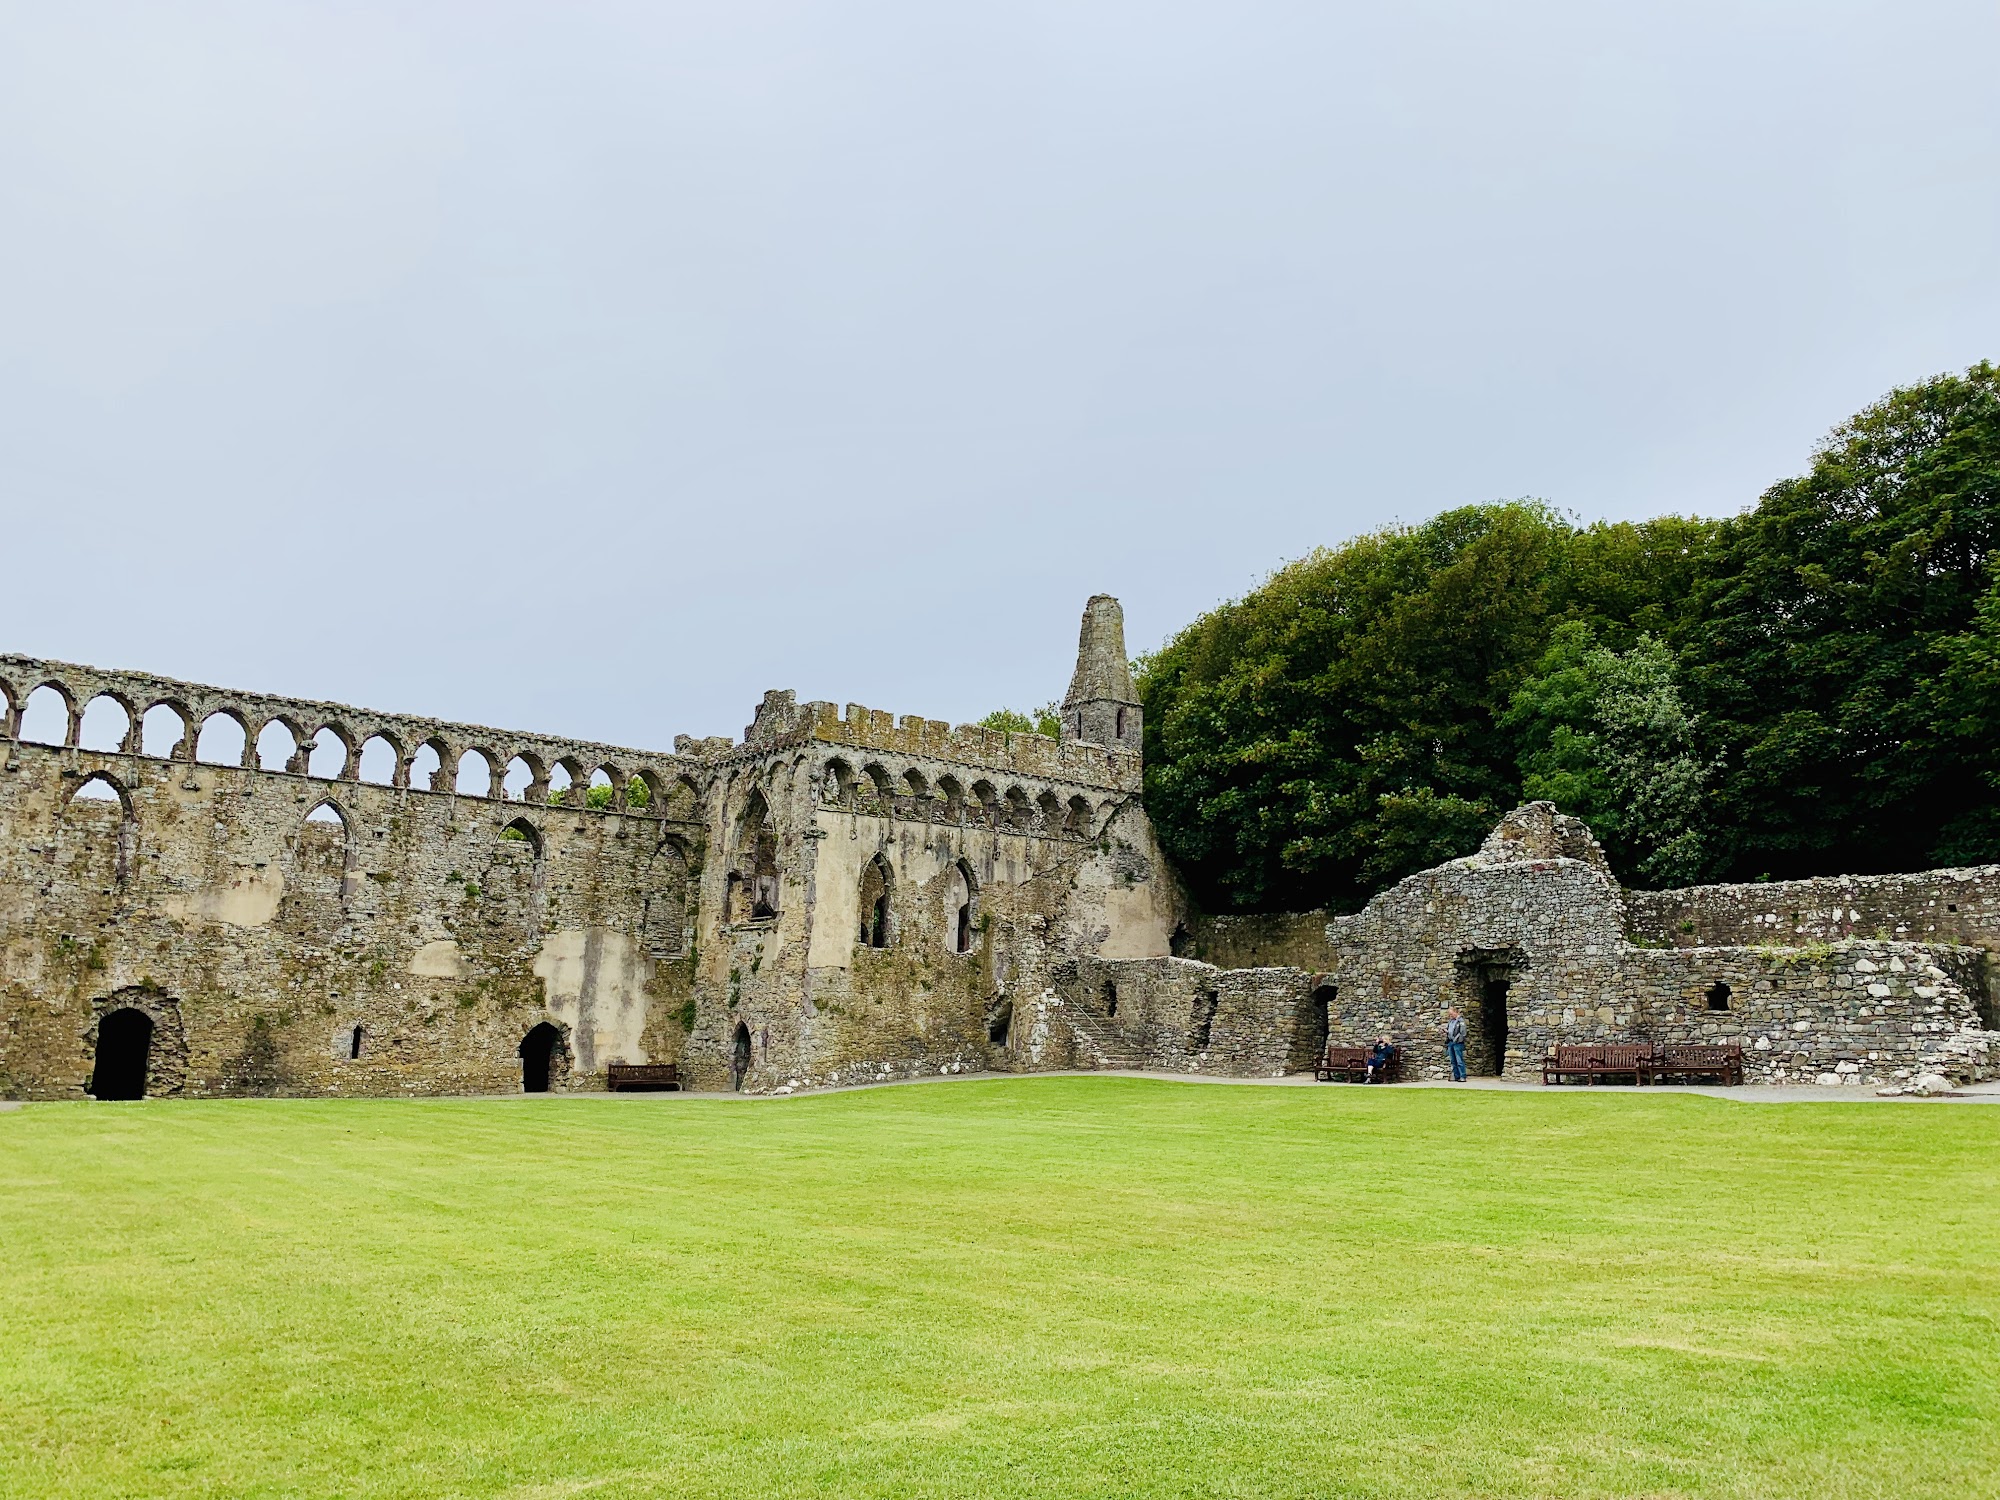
(1101, 708)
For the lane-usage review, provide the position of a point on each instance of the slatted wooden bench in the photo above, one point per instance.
(1350, 1065)
(1591, 1061)
(656, 1077)
(1689, 1061)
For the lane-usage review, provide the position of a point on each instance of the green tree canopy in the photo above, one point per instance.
(1811, 687)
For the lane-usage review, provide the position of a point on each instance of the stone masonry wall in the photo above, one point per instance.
(1935, 906)
(259, 940)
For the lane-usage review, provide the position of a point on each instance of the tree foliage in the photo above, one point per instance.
(1044, 720)
(1810, 687)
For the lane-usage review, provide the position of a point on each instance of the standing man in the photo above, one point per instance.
(1454, 1043)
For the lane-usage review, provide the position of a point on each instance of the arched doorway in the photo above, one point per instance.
(538, 1055)
(739, 1056)
(124, 1047)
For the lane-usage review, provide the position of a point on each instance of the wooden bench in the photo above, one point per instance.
(1591, 1061)
(1350, 1065)
(645, 1076)
(1688, 1061)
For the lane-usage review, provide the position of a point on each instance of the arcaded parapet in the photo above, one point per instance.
(1933, 906)
(171, 720)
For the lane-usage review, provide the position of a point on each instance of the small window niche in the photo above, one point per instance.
(1718, 996)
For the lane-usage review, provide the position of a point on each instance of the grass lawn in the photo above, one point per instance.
(1026, 1286)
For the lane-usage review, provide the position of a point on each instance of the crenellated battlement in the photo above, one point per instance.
(782, 720)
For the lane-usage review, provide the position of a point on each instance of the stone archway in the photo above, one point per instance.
(137, 1045)
(544, 1059)
(739, 1056)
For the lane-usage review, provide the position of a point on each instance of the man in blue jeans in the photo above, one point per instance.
(1454, 1043)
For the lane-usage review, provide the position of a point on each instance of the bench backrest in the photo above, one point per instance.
(1701, 1054)
(1346, 1057)
(645, 1072)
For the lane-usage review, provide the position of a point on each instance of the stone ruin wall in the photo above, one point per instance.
(1044, 840)
(259, 940)
(1857, 980)
(1933, 906)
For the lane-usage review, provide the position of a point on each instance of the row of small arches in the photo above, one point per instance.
(875, 790)
(50, 716)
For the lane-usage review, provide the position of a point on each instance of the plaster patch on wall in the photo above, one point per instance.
(250, 900)
(438, 960)
(595, 981)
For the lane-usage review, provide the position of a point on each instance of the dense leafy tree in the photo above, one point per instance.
(1044, 720)
(1606, 735)
(1810, 687)
(1835, 644)
(1341, 726)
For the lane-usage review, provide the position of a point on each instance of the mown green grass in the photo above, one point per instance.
(1038, 1286)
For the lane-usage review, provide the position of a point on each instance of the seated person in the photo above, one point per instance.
(1380, 1058)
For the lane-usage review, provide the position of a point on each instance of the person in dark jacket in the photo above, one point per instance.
(1454, 1043)
(1380, 1059)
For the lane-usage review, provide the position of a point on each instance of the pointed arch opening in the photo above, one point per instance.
(757, 857)
(107, 724)
(224, 739)
(48, 717)
(739, 1057)
(329, 755)
(163, 732)
(99, 839)
(961, 908)
(326, 815)
(476, 775)
(521, 831)
(427, 767)
(1076, 819)
(381, 756)
(878, 921)
(278, 746)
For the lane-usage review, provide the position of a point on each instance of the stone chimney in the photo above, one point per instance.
(1101, 708)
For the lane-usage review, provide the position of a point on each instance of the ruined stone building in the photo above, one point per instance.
(211, 892)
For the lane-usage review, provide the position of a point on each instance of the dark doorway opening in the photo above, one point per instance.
(124, 1047)
(1204, 1019)
(1493, 989)
(1110, 1000)
(999, 1021)
(739, 1057)
(964, 941)
(1319, 1019)
(538, 1051)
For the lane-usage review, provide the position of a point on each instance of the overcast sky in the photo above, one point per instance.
(592, 367)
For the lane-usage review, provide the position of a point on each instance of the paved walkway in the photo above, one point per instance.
(1754, 1093)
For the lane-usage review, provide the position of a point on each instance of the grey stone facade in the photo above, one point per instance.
(390, 904)
(837, 896)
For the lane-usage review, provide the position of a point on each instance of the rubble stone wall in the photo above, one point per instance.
(1934, 906)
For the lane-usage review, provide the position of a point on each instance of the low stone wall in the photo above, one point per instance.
(1173, 1015)
(1932, 906)
(1278, 940)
